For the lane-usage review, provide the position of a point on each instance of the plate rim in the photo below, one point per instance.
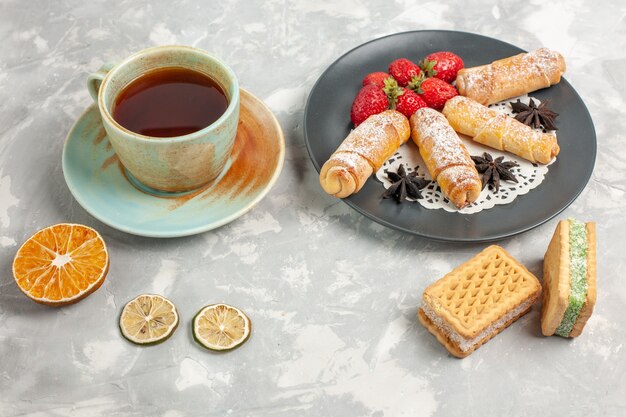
(188, 231)
(490, 238)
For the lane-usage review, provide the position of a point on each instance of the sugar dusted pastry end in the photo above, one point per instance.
(363, 152)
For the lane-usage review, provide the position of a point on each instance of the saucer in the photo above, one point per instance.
(102, 186)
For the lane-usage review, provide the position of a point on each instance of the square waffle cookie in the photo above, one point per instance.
(477, 300)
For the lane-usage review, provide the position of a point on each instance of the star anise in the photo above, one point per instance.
(404, 185)
(494, 170)
(532, 115)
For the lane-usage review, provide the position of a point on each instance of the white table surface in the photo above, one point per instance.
(332, 295)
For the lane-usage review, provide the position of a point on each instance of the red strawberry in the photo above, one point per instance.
(409, 102)
(433, 91)
(404, 70)
(369, 100)
(376, 78)
(402, 99)
(443, 65)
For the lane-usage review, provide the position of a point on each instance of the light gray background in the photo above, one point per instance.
(332, 296)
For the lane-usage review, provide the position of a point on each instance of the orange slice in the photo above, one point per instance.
(61, 264)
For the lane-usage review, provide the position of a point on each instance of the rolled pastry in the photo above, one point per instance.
(499, 131)
(446, 158)
(511, 77)
(363, 152)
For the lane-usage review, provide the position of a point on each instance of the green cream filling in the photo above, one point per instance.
(578, 276)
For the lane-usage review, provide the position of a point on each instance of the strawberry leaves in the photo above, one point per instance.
(393, 91)
(416, 84)
(428, 67)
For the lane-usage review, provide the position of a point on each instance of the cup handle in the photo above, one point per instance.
(95, 80)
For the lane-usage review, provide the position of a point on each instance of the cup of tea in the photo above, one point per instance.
(171, 114)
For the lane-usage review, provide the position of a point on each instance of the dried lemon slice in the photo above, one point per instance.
(221, 327)
(148, 319)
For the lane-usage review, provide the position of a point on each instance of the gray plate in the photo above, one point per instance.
(327, 123)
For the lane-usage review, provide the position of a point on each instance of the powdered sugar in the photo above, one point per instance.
(546, 61)
(440, 139)
(347, 158)
(528, 174)
(463, 176)
(515, 75)
(365, 139)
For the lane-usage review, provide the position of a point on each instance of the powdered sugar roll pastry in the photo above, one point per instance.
(499, 131)
(511, 77)
(446, 158)
(363, 152)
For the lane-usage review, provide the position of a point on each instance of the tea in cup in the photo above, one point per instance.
(171, 114)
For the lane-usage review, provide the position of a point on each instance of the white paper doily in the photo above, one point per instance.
(528, 175)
